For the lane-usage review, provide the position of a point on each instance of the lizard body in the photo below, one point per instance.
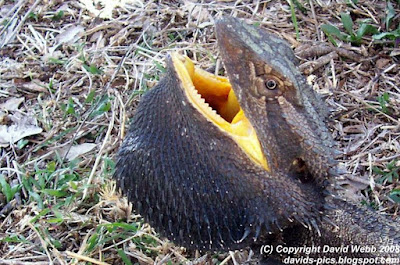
(187, 171)
(194, 184)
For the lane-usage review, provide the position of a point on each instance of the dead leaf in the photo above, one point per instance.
(77, 150)
(382, 62)
(70, 35)
(22, 126)
(35, 85)
(12, 104)
(10, 68)
(198, 12)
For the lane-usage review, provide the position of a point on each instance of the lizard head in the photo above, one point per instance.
(280, 105)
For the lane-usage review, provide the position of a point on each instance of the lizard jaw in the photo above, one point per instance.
(214, 98)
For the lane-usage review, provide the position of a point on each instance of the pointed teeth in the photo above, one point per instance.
(204, 102)
(201, 101)
(208, 106)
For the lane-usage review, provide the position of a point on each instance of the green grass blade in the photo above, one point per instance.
(6, 188)
(124, 257)
(366, 29)
(390, 14)
(395, 195)
(294, 19)
(347, 23)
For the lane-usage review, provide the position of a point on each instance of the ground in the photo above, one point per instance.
(72, 72)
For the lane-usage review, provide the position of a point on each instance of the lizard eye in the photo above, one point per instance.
(271, 84)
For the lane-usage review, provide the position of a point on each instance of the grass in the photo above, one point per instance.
(364, 29)
(351, 35)
(384, 102)
(58, 202)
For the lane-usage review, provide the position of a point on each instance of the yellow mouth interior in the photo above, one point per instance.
(213, 97)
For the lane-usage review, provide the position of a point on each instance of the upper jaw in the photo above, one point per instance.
(236, 39)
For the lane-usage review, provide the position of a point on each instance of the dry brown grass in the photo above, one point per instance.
(70, 213)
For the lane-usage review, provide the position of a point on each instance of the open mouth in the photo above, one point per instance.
(215, 99)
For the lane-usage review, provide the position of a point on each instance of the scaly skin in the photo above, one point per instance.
(194, 184)
(287, 118)
(354, 227)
